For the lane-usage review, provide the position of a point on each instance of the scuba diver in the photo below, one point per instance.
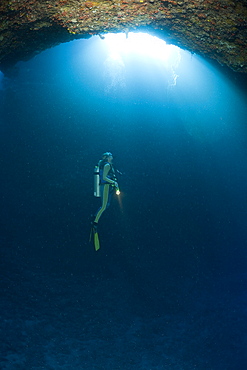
(105, 182)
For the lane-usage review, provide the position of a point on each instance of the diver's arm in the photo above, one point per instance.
(105, 173)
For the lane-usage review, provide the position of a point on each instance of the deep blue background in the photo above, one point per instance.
(182, 151)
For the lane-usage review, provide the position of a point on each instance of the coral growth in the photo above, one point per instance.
(206, 27)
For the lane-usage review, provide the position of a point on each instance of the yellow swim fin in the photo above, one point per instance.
(94, 232)
(96, 241)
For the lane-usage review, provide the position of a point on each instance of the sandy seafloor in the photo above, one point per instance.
(93, 321)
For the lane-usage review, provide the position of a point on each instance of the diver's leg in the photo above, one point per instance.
(109, 196)
(105, 196)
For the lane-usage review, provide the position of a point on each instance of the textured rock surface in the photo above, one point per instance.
(212, 28)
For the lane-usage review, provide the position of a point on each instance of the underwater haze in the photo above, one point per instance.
(167, 289)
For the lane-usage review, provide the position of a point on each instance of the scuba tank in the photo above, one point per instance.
(96, 191)
(97, 180)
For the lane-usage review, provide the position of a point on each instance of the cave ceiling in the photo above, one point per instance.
(215, 29)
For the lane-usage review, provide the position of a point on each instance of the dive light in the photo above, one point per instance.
(117, 191)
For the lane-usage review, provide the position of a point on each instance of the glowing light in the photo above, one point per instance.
(147, 49)
(141, 44)
(119, 198)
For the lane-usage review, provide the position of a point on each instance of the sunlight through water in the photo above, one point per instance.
(141, 44)
(121, 47)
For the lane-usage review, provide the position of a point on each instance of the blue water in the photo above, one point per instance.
(173, 250)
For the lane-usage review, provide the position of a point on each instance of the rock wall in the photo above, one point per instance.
(213, 28)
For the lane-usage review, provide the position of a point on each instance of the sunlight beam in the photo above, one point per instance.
(141, 44)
